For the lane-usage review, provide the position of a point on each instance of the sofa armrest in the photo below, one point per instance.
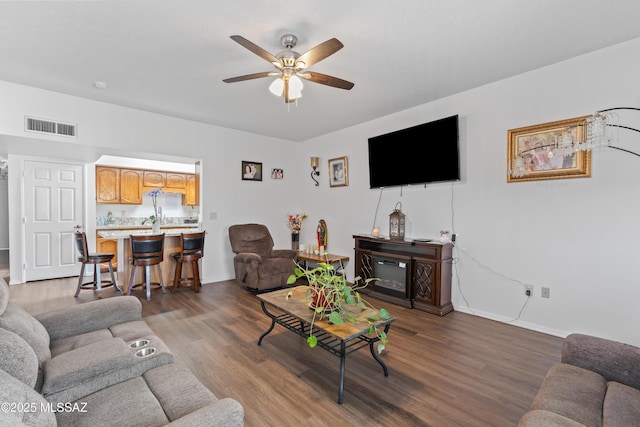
(90, 316)
(613, 360)
(225, 412)
(247, 257)
(283, 253)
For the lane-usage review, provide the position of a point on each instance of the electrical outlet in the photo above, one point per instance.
(528, 290)
(545, 293)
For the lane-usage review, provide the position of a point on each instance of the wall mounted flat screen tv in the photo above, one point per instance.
(420, 154)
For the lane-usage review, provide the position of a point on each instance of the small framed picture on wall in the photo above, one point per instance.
(277, 174)
(251, 171)
(338, 172)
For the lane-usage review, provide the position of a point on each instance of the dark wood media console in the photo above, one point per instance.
(425, 266)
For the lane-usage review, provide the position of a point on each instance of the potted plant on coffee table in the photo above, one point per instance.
(331, 296)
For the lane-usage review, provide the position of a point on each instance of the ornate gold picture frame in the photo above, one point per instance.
(537, 152)
(338, 172)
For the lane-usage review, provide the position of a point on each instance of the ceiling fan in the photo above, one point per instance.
(291, 66)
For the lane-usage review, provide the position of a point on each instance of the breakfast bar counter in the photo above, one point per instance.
(171, 245)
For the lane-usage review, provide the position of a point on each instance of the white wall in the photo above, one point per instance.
(575, 236)
(111, 129)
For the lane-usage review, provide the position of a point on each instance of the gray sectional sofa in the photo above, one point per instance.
(596, 383)
(97, 363)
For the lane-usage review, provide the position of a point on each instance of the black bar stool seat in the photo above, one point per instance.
(146, 251)
(191, 251)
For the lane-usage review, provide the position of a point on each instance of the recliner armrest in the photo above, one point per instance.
(77, 366)
(225, 412)
(283, 253)
(248, 257)
(90, 316)
(613, 360)
(85, 370)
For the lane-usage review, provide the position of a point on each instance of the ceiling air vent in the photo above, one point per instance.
(46, 126)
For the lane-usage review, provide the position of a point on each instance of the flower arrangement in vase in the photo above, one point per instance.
(155, 218)
(331, 296)
(295, 224)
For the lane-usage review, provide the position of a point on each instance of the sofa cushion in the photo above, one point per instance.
(17, 358)
(90, 316)
(78, 341)
(18, 321)
(128, 331)
(15, 392)
(129, 403)
(572, 392)
(614, 360)
(621, 406)
(178, 390)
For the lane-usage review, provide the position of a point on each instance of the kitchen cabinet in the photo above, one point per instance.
(107, 184)
(192, 194)
(119, 186)
(130, 186)
(108, 246)
(154, 179)
(126, 186)
(175, 181)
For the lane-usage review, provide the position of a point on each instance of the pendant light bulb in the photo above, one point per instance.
(277, 87)
(295, 87)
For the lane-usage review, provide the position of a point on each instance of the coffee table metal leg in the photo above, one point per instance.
(343, 360)
(273, 323)
(374, 353)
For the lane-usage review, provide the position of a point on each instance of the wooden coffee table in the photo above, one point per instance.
(339, 340)
(307, 257)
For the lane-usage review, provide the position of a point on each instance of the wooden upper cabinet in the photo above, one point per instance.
(176, 180)
(130, 186)
(191, 197)
(107, 185)
(154, 179)
(126, 186)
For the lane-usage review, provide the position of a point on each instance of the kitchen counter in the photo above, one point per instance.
(119, 233)
(142, 227)
(171, 245)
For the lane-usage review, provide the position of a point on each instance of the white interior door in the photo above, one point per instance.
(53, 207)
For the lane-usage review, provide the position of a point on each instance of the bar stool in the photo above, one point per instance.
(191, 250)
(97, 258)
(146, 251)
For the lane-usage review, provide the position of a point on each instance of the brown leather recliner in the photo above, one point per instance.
(257, 265)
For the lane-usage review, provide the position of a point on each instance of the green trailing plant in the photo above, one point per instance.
(338, 300)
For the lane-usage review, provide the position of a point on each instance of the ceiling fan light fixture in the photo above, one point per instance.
(277, 87)
(295, 85)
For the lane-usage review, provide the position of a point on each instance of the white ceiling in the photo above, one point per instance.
(170, 56)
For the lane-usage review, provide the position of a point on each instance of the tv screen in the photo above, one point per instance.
(416, 155)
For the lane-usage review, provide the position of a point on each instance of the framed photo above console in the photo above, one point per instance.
(338, 172)
(544, 151)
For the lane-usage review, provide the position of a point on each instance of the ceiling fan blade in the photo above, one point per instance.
(324, 79)
(320, 52)
(248, 77)
(255, 49)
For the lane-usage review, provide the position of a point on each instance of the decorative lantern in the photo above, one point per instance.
(396, 223)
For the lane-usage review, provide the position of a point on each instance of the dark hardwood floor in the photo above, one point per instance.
(456, 370)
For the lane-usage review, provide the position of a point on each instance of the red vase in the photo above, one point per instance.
(319, 299)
